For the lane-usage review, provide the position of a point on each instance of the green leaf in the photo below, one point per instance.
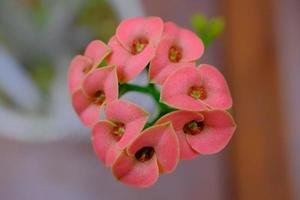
(199, 23)
(217, 26)
(207, 30)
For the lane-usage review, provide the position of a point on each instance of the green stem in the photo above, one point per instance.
(150, 90)
(123, 88)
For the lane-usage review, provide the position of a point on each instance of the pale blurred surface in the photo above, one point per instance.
(288, 32)
(45, 153)
(70, 170)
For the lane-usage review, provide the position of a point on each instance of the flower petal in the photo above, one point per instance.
(86, 110)
(150, 28)
(77, 71)
(131, 115)
(134, 173)
(188, 44)
(104, 142)
(163, 139)
(178, 120)
(97, 51)
(218, 130)
(160, 68)
(191, 45)
(218, 96)
(175, 89)
(102, 79)
(128, 65)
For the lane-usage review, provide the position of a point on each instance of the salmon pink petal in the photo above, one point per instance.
(190, 44)
(176, 88)
(163, 140)
(132, 116)
(196, 89)
(86, 110)
(184, 102)
(218, 94)
(104, 142)
(160, 65)
(218, 129)
(98, 87)
(159, 69)
(178, 120)
(97, 51)
(134, 173)
(124, 111)
(102, 80)
(149, 28)
(79, 67)
(186, 152)
(178, 45)
(128, 65)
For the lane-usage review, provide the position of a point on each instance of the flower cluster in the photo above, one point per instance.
(193, 100)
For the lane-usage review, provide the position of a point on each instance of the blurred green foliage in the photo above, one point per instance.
(207, 29)
(99, 18)
(4, 98)
(37, 10)
(96, 16)
(1, 38)
(42, 72)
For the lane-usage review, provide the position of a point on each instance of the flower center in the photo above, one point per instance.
(138, 45)
(144, 154)
(87, 69)
(119, 130)
(198, 93)
(175, 54)
(193, 127)
(99, 97)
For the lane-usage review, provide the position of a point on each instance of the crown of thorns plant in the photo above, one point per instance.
(192, 101)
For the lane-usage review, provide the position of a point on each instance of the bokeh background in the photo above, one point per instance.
(45, 153)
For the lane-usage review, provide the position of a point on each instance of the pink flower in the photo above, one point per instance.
(124, 123)
(99, 87)
(178, 46)
(155, 151)
(205, 132)
(134, 45)
(80, 66)
(196, 89)
(201, 125)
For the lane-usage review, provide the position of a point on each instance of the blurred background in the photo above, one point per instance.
(45, 153)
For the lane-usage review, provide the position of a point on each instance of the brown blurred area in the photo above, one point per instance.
(258, 153)
(259, 56)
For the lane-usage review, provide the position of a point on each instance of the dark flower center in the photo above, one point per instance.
(198, 93)
(138, 45)
(87, 69)
(175, 54)
(119, 130)
(193, 127)
(99, 97)
(144, 154)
